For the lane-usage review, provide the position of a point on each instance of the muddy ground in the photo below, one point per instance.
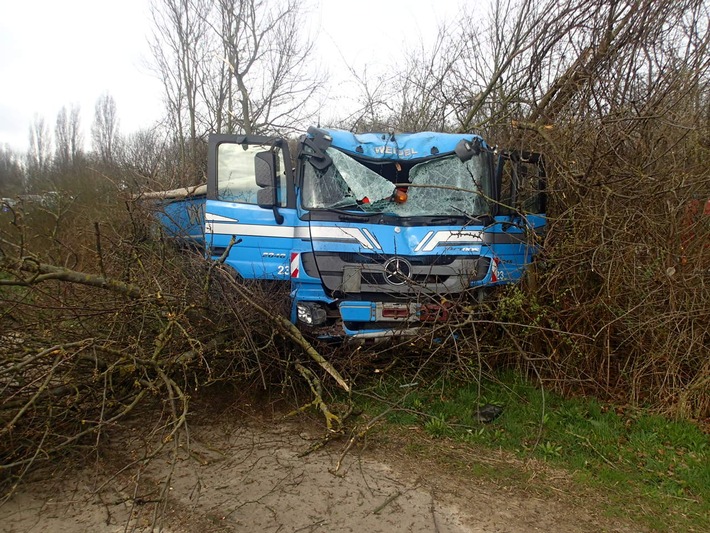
(239, 471)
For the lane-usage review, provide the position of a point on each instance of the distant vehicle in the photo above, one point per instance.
(376, 234)
(7, 203)
(46, 199)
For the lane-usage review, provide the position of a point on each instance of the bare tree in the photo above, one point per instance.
(39, 154)
(68, 138)
(104, 131)
(481, 70)
(234, 66)
(424, 101)
(76, 138)
(527, 61)
(62, 151)
(268, 61)
(373, 111)
(11, 172)
(509, 55)
(410, 96)
(144, 154)
(179, 47)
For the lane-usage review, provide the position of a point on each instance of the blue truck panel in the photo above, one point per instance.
(183, 218)
(375, 234)
(400, 147)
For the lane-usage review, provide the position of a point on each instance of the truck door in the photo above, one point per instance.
(251, 200)
(520, 221)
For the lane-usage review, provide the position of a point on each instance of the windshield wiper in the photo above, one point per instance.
(449, 220)
(484, 219)
(343, 208)
(464, 213)
(345, 202)
(353, 216)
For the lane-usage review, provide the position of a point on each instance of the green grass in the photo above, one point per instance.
(637, 460)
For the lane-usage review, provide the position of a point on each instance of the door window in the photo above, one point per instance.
(236, 178)
(522, 183)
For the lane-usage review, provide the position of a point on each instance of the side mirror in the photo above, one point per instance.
(265, 174)
(265, 168)
(266, 197)
(314, 145)
(466, 150)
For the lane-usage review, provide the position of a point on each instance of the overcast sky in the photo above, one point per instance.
(56, 53)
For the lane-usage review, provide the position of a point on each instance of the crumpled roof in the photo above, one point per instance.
(398, 146)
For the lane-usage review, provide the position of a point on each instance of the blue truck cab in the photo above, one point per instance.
(376, 234)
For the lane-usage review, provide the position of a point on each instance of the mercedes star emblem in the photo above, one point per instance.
(397, 271)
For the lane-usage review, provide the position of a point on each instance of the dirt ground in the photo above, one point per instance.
(240, 472)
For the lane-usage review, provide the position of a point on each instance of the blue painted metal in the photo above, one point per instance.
(183, 219)
(272, 248)
(400, 146)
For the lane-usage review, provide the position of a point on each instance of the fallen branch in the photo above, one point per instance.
(384, 504)
(316, 389)
(287, 328)
(44, 272)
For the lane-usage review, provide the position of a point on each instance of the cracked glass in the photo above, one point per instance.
(445, 186)
(343, 184)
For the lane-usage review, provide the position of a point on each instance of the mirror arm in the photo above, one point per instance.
(278, 216)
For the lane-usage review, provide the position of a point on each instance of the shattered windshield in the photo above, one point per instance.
(445, 186)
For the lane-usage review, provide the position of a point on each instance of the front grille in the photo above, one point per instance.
(360, 272)
(415, 260)
(377, 278)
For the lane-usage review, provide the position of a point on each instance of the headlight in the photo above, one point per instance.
(311, 313)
